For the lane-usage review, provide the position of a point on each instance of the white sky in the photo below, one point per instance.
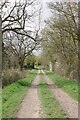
(45, 15)
(46, 12)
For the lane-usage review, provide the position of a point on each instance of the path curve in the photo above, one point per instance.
(67, 103)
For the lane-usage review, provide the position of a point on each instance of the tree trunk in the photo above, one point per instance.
(21, 62)
(79, 61)
(21, 67)
(79, 41)
(50, 65)
(0, 50)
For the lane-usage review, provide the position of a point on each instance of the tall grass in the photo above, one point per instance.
(12, 75)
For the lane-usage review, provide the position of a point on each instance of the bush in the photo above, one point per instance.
(10, 76)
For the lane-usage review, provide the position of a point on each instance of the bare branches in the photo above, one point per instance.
(17, 18)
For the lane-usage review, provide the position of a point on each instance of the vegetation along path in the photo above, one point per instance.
(30, 107)
(67, 103)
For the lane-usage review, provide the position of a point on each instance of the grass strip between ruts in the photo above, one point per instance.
(50, 106)
(69, 86)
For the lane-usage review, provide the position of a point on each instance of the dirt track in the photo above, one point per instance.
(67, 103)
(30, 107)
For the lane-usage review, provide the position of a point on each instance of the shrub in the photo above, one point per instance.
(10, 76)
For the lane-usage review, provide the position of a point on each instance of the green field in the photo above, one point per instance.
(51, 107)
(69, 86)
(14, 94)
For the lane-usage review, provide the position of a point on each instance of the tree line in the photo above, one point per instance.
(60, 39)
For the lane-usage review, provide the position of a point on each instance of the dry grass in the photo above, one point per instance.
(12, 75)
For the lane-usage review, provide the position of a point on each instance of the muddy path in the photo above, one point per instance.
(30, 106)
(69, 105)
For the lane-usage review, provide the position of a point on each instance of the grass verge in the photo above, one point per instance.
(69, 86)
(0, 103)
(51, 107)
(14, 94)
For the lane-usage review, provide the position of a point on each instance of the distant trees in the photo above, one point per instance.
(30, 62)
(18, 32)
(60, 44)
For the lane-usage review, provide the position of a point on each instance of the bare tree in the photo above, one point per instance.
(17, 23)
(21, 47)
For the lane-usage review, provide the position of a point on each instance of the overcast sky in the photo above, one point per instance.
(45, 15)
(45, 9)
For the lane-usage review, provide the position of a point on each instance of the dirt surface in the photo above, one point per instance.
(67, 103)
(31, 107)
